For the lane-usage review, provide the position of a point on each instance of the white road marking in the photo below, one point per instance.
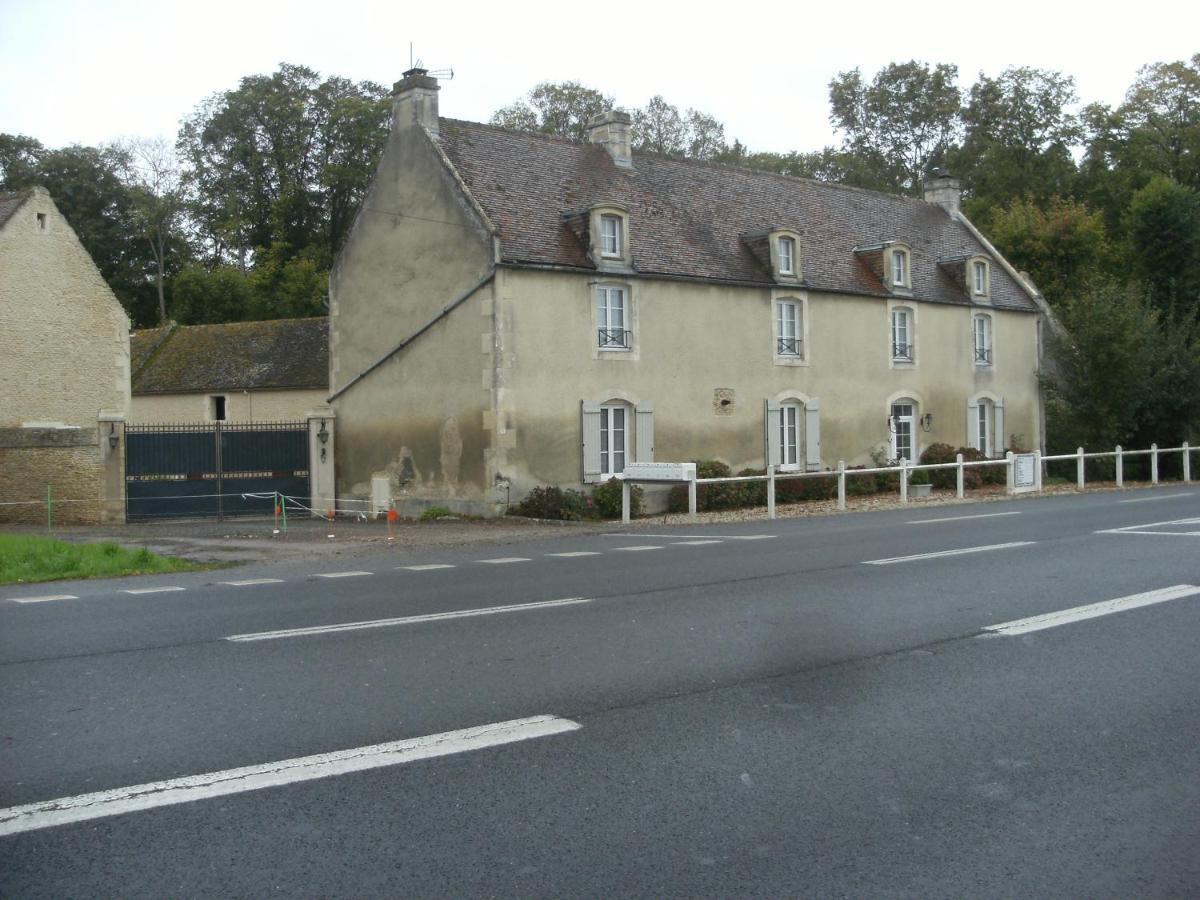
(82, 808)
(695, 543)
(404, 620)
(251, 581)
(154, 590)
(939, 553)
(960, 518)
(1160, 497)
(1093, 610)
(724, 537)
(501, 560)
(427, 567)
(641, 547)
(340, 574)
(574, 553)
(45, 599)
(1141, 529)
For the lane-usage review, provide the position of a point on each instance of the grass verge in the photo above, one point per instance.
(26, 558)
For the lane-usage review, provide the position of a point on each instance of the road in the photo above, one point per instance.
(805, 706)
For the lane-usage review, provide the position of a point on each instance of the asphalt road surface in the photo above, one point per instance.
(982, 700)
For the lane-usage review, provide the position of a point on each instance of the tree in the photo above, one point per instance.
(151, 170)
(901, 124)
(1164, 243)
(201, 296)
(563, 108)
(1161, 120)
(659, 127)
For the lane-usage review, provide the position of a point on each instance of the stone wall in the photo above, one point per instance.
(69, 460)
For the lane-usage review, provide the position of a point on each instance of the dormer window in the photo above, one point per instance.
(980, 278)
(607, 235)
(610, 237)
(787, 256)
(899, 268)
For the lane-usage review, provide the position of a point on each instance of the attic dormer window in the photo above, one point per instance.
(610, 237)
(787, 256)
(980, 278)
(899, 268)
(607, 236)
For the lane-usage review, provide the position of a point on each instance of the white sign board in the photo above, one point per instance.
(1025, 472)
(660, 471)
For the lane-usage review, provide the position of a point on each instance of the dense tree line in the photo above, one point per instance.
(241, 218)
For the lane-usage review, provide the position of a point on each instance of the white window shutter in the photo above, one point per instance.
(644, 432)
(812, 436)
(772, 421)
(999, 441)
(591, 441)
(973, 426)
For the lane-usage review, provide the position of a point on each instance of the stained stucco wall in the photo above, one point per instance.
(421, 418)
(65, 336)
(240, 406)
(692, 340)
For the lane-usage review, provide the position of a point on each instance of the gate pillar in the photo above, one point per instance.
(110, 428)
(321, 443)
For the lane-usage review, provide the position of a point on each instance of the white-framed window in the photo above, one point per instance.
(612, 317)
(614, 439)
(983, 428)
(985, 424)
(615, 432)
(980, 278)
(899, 268)
(902, 430)
(611, 243)
(789, 337)
(790, 414)
(982, 329)
(793, 432)
(902, 335)
(786, 249)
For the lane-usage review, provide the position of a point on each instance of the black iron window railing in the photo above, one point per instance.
(788, 346)
(902, 351)
(614, 338)
(983, 355)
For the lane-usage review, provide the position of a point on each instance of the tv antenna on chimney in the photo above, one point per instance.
(444, 74)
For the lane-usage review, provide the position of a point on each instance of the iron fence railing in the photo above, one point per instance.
(613, 338)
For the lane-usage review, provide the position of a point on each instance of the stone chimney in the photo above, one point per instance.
(415, 101)
(611, 130)
(943, 189)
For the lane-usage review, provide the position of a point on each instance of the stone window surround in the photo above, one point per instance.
(623, 261)
(800, 298)
(773, 239)
(633, 353)
(911, 307)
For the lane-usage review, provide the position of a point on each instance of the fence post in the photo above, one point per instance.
(49, 509)
(1120, 468)
(1079, 477)
(1187, 463)
(1010, 476)
(624, 501)
(1154, 463)
(841, 484)
(692, 500)
(959, 475)
(903, 480)
(770, 492)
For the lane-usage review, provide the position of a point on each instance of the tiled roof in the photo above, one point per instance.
(10, 203)
(693, 219)
(239, 356)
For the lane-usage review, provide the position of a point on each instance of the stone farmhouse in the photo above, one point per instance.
(234, 372)
(64, 372)
(513, 310)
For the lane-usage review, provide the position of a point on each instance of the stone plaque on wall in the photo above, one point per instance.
(723, 401)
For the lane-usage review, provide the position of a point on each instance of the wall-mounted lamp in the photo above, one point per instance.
(323, 434)
(927, 421)
(113, 437)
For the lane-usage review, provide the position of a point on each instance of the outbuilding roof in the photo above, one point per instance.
(237, 356)
(10, 203)
(694, 219)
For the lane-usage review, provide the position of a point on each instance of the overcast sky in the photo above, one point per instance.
(90, 71)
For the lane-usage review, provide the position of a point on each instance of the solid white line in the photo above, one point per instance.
(156, 590)
(65, 810)
(427, 567)
(501, 560)
(724, 537)
(1134, 529)
(1166, 533)
(404, 620)
(574, 553)
(939, 553)
(642, 547)
(43, 599)
(694, 543)
(1094, 610)
(960, 518)
(251, 581)
(340, 574)
(1161, 497)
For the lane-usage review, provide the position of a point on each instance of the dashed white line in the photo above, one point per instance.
(960, 518)
(45, 599)
(252, 581)
(574, 553)
(501, 560)
(427, 567)
(1160, 497)
(1093, 610)
(695, 543)
(724, 537)
(340, 574)
(82, 808)
(403, 620)
(939, 553)
(640, 547)
(154, 590)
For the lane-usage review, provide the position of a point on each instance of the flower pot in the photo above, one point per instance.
(917, 491)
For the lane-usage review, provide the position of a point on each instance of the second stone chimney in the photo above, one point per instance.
(943, 189)
(415, 101)
(612, 130)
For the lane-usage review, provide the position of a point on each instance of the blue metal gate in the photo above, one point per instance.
(214, 469)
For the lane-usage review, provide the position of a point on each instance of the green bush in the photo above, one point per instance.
(985, 474)
(754, 493)
(860, 485)
(606, 499)
(973, 478)
(434, 513)
(555, 503)
(806, 490)
(919, 476)
(710, 496)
